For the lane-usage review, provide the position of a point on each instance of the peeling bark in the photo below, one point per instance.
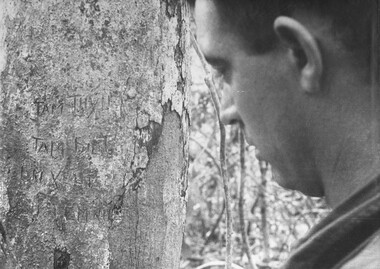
(94, 133)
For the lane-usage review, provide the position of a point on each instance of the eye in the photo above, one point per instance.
(219, 71)
(220, 68)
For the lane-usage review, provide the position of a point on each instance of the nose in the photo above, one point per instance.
(228, 113)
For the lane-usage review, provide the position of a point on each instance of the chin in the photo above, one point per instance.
(249, 139)
(296, 184)
(279, 179)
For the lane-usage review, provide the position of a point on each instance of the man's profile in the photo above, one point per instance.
(297, 75)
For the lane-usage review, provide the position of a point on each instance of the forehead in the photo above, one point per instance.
(206, 15)
(208, 22)
(213, 33)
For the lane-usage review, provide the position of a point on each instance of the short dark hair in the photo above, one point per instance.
(253, 19)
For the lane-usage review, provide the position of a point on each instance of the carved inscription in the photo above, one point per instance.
(58, 149)
(80, 105)
(67, 150)
(56, 177)
(43, 108)
(83, 214)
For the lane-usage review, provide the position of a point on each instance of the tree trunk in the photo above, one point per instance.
(94, 131)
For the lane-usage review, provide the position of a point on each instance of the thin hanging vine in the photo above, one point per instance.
(215, 98)
(241, 200)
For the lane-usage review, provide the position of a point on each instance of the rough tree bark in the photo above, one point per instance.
(94, 131)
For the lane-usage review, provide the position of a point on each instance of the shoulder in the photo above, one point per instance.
(368, 257)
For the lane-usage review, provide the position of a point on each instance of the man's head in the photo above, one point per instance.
(296, 73)
(253, 19)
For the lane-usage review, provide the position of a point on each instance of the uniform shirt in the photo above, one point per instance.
(348, 238)
(368, 258)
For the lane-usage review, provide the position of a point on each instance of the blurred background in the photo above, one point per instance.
(274, 218)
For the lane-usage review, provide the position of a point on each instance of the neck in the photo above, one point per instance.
(347, 153)
(351, 170)
(346, 147)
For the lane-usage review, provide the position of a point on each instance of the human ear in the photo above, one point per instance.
(305, 50)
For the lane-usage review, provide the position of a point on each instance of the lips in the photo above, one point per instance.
(258, 155)
(250, 141)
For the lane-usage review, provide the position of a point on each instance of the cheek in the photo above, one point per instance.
(252, 112)
(256, 87)
(258, 107)
(264, 98)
